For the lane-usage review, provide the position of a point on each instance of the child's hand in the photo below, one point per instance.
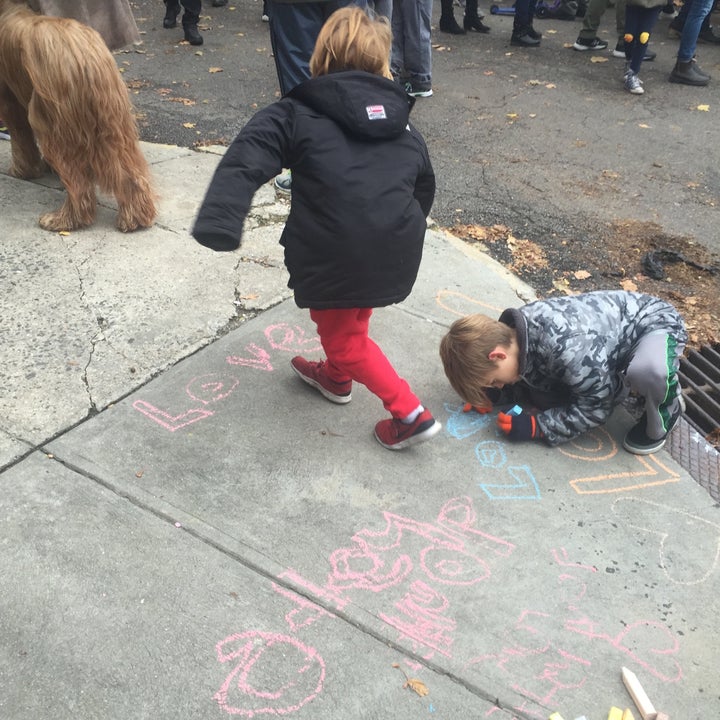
(467, 407)
(519, 427)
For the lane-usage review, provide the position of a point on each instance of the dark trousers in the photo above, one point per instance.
(294, 28)
(192, 10)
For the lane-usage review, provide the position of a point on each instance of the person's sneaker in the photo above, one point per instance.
(637, 441)
(418, 89)
(633, 84)
(595, 43)
(4, 132)
(619, 52)
(394, 434)
(283, 183)
(314, 374)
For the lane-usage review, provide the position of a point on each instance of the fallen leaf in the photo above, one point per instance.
(512, 116)
(628, 285)
(582, 274)
(215, 69)
(418, 686)
(188, 125)
(643, 125)
(597, 59)
(704, 108)
(550, 86)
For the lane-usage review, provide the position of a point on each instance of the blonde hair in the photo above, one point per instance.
(464, 352)
(351, 40)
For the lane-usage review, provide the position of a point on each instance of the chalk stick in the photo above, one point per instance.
(555, 716)
(639, 696)
(627, 714)
(615, 714)
(662, 716)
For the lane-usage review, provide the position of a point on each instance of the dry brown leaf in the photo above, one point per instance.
(582, 274)
(628, 285)
(418, 686)
(215, 69)
(597, 59)
(188, 125)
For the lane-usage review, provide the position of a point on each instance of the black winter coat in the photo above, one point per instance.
(362, 187)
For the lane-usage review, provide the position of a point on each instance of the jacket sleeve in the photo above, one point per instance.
(425, 183)
(591, 402)
(257, 154)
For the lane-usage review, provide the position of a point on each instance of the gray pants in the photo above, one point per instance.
(593, 14)
(411, 50)
(652, 373)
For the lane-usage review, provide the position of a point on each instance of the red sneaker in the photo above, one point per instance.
(313, 373)
(394, 434)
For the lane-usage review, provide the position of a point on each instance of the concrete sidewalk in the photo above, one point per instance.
(188, 531)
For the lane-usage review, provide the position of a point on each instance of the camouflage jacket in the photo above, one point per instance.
(574, 352)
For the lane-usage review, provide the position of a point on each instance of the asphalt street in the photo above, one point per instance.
(544, 141)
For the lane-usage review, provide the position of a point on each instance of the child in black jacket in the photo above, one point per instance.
(362, 188)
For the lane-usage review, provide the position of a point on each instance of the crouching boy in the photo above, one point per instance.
(571, 360)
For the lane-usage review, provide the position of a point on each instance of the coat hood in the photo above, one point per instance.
(363, 104)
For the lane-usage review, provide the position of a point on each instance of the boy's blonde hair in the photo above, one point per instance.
(464, 352)
(351, 40)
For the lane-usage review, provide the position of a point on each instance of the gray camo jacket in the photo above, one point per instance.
(574, 352)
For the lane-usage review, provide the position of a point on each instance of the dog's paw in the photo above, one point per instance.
(27, 173)
(57, 222)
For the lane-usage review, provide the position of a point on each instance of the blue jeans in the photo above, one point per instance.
(688, 40)
(411, 50)
(294, 27)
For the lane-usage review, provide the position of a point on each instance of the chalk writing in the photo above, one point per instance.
(275, 674)
(458, 304)
(214, 388)
(674, 528)
(539, 667)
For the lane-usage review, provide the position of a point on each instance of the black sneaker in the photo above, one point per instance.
(637, 441)
(595, 43)
(418, 89)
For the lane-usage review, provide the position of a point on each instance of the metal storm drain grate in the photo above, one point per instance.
(694, 443)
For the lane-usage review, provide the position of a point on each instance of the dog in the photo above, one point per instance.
(65, 105)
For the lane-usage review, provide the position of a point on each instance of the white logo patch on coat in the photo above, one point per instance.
(376, 112)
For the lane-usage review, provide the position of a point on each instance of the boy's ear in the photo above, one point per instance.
(499, 353)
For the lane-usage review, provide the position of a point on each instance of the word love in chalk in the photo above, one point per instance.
(209, 389)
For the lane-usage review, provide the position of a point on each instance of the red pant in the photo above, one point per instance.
(352, 355)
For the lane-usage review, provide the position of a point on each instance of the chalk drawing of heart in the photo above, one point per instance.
(291, 339)
(675, 530)
(211, 388)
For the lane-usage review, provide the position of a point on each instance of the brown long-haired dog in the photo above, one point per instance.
(64, 103)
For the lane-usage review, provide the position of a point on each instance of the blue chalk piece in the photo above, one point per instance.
(431, 708)
(516, 410)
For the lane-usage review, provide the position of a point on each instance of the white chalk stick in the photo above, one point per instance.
(639, 696)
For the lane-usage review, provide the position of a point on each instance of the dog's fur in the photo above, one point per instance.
(65, 103)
